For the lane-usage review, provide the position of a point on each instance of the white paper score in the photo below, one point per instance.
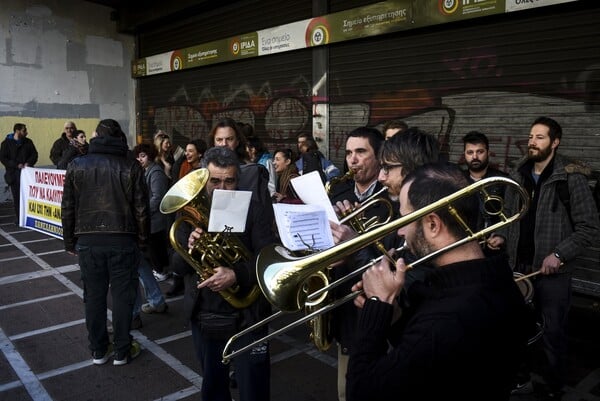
(229, 211)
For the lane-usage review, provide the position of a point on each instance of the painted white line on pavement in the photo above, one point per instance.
(46, 329)
(179, 395)
(169, 359)
(32, 384)
(35, 301)
(25, 250)
(38, 274)
(174, 337)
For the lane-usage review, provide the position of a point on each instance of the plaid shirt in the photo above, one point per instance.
(553, 228)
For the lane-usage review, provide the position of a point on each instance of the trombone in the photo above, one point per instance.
(282, 276)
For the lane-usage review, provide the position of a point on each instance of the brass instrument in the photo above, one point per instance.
(338, 180)
(320, 326)
(210, 250)
(282, 277)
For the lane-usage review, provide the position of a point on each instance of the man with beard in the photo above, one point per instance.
(547, 239)
(477, 158)
(467, 309)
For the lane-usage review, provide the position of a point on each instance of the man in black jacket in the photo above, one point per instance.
(62, 144)
(213, 319)
(17, 152)
(467, 312)
(363, 145)
(105, 219)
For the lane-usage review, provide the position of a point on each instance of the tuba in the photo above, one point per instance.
(189, 196)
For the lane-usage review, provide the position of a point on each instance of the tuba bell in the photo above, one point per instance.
(189, 196)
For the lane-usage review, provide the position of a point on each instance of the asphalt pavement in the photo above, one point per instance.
(44, 354)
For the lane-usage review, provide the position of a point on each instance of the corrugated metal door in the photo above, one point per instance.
(272, 93)
(495, 75)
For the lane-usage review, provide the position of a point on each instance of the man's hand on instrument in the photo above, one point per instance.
(195, 236)
(551, 264)
(342, 208)
(222, 279)
(381, 282)
(495, 242)
(341, 232)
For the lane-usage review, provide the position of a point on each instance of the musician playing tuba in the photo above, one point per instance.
(213, 320)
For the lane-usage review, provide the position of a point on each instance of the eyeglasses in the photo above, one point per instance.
(387, 167)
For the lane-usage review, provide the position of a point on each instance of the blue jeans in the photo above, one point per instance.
(152, 290)
(252, 368)
(101, 266)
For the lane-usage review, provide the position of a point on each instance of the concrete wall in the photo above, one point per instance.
(62, 60)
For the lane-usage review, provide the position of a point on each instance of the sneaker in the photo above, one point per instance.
(523, 388)
(133, 353)
(160, 277)
(148, 308)
(136, 323)
(100, 358)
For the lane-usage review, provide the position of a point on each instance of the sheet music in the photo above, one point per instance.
(311, 191)
(229, 211)
(303, 227)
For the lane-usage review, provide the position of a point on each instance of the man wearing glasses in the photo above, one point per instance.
(398, 156)
(402, 154)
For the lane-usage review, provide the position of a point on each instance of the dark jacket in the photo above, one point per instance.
(345, 317)
(158, 185)
(467, 319)
(13, 153)
(72, 151)
(553, 230)
(58, 148)
(105, 193)
(258, 234)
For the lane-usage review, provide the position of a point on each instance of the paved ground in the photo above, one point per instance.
(44, 347)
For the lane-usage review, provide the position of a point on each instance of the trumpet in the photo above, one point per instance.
(282, 277)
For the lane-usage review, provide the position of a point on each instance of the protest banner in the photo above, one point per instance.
(41, 195)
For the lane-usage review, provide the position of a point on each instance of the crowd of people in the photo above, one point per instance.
(409, 324)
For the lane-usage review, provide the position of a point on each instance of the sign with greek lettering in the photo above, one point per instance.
(517, 5)
(41, 196)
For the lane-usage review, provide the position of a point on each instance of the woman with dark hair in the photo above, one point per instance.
(78, 146)
(158, 184)
(286, 170)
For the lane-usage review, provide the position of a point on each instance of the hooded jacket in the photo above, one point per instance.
(105, 193)
(555, 230)
(13, 153)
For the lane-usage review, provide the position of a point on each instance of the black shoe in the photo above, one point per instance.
(177, 287)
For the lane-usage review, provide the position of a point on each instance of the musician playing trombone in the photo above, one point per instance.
(465, 330)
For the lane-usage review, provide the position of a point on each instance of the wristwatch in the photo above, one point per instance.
(557, 256)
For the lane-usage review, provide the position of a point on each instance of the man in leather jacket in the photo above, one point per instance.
(105, 219)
